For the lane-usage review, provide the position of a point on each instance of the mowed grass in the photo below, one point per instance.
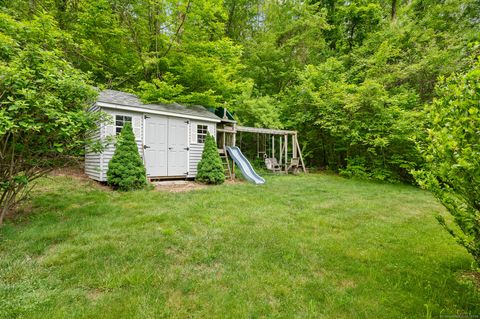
(314, 246)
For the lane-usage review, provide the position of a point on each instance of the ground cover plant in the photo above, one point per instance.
(313, 246)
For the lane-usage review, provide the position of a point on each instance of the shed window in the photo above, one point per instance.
(120, 121)
(201, 133)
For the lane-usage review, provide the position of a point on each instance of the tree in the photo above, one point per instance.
(360, 130)
(210, 167)
(126, 170)
(262, 59)
(452, 155)
(44, 121)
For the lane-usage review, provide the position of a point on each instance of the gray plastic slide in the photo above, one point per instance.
(245, 166)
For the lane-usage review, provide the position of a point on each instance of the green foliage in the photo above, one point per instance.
(257, 111)
(285, 38)
(452, 156)
(203, 73)
(359, 111)
(126, 170)
(210, 168)
(44, 121)
(360, 18)
(362, 130)
(264, 60)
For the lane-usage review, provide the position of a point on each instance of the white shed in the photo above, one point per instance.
(169, 137)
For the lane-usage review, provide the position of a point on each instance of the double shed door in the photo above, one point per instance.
(166, 146)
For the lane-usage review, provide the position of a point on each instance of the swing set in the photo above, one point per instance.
(279, 149)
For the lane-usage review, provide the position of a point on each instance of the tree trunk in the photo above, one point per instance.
(32, 7)
(231, 15)
(394, 10)
(3, 211)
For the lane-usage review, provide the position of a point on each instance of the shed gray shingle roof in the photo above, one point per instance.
(127, 99)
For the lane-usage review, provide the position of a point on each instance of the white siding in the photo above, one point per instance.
(108, 129)
(93, 160)
(196, 149)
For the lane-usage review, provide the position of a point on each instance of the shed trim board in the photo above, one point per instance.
(148, 111)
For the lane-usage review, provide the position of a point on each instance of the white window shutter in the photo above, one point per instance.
(109, 126)
(137, 127)
(211, 130)
(194, 132)
(109, 130)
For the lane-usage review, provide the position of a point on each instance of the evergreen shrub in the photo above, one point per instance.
(210, 167)
(126, 170)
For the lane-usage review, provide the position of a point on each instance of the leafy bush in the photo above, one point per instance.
(125, 169)
(210, 167)
(452, 156)
(359, 130)
(43, 101)
(356, 167)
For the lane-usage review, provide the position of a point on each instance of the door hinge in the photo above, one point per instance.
(146, 146)
(187, 148)
(146, 116)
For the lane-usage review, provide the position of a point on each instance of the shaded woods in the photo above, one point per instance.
(352, 77)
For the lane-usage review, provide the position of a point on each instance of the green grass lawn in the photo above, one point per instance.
(315, 246)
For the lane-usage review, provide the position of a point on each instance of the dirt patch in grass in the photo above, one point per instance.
(94, 294)
(77, 173)
(178, 187)
(473, 276)
(347, 284)
(186, 186)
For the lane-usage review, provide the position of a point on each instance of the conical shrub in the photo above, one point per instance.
(126, 170)
(210, 168)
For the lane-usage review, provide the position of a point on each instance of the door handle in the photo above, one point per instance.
(146, 146)
(170, 148)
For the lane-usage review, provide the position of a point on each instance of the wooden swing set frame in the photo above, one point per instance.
(287, 140)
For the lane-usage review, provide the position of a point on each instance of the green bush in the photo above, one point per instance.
(210, 167)
(452, 155)
(125, 169)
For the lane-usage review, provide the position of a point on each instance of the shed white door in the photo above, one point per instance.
(177, 147)
(166, 146)
(156, 145)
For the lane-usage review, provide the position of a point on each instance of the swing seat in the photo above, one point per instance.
(294, 165)
(272, 164)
